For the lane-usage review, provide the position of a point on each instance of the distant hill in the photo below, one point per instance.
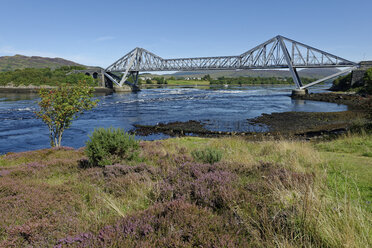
(309, 73)
(10, 63)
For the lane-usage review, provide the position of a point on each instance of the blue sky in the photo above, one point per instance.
(99, 32)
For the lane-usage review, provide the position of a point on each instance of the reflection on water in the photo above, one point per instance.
(219, 108)
(299, 102)
(17, 96)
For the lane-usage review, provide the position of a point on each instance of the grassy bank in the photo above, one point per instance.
(257, 80)
(261, 194)
(187, 82)
(180, 82)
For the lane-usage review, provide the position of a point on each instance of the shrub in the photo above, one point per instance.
(202, 184)
(368, 80)
(369, 107)
(208, 155)
(342, 83)
(172, 224)
(124, 180)
(110, 146)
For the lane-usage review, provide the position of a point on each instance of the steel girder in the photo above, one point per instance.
(278, 52)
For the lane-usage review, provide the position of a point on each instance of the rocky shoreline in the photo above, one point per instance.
(292, 125)
(353, 100)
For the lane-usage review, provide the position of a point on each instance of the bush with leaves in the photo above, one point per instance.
(208, 155)
(110, 146)
(58, 107)
(368, 80)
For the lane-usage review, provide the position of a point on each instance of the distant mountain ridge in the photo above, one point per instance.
(10, 63)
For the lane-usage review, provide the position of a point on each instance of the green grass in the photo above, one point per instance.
(360, 145)
(187, 82)
(321, 193)
(349, 162)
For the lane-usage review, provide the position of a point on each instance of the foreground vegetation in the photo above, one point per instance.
(242, 194)
(45, 76)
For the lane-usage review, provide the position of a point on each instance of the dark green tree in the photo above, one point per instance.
(368, 80)
(207, 78)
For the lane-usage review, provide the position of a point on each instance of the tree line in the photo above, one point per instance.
(255, 80)
(45, 76)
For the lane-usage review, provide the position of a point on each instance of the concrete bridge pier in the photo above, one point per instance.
(121, 84)
(124, 88)
(300, 92)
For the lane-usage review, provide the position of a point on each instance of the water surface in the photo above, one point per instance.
(219, 108)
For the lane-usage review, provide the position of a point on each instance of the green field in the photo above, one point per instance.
(187, 82)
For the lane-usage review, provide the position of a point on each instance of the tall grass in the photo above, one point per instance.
(261, 194)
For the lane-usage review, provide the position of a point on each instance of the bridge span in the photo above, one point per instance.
(276, 53)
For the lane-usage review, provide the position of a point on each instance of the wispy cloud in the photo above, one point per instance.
(105, 38)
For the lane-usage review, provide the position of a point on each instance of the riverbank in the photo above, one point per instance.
(265, 194)
(290, 125)
(36, 89)
(353, 100)
(171, 82)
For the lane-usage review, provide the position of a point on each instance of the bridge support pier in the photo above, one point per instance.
(125, 85)
(124, 88)
(300, 92)
(134, 75)
(296, 77)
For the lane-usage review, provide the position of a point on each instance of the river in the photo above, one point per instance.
(219, 108)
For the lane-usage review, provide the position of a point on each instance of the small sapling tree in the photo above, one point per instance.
(58, 107)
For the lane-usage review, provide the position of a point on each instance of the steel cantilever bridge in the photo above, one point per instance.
(277, 53)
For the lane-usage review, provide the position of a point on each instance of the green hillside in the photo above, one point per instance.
(10, 63)
(45, 76)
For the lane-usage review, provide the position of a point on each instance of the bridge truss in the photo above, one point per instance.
(277, 53)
